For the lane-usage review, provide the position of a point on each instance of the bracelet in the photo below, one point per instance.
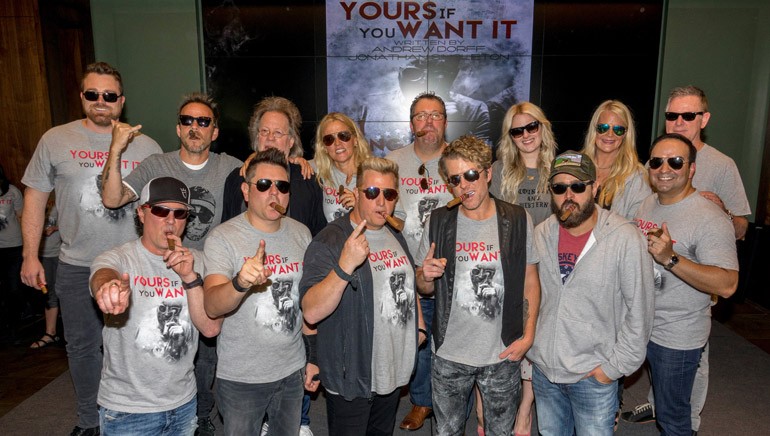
(729, 214)
(193, 284)
(423, 331)
(342, 274)
(311, 351)
(238, 286)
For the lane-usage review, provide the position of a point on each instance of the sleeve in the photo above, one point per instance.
(218, 256)
(735, 199)
(716, 240)
(141, 175)
(111, 259)
(18, 200)
(532, 256)
(233, 203)
(39, 174)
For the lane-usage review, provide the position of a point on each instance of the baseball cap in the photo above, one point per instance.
(165, 189)
(575, 164)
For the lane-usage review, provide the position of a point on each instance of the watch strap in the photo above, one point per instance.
(193, 284)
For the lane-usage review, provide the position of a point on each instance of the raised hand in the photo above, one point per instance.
(113, 296)
(253, 271)
(355, 250)
(661, 247)
(122, 134)
(432, 268)
(180, 260)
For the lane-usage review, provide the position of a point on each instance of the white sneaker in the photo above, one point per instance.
(304, 430)
(265, 426)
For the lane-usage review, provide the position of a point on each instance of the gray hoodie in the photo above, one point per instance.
(602, 315)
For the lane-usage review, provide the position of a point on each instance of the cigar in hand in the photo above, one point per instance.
(280, 209)
(171, 244)
(43, 288)
(341, 191)
(394, 222)
(457, 200)
(657, 231)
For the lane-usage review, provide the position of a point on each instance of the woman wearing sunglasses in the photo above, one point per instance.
(339, 148)
(621, 181)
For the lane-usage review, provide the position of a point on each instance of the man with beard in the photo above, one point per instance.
(420, 191)
(596, 307)
(204, 172)
(68, 159)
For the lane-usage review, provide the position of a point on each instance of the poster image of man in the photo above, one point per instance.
(287, 308)
(202, 216)
(166, 333)
(487, 304)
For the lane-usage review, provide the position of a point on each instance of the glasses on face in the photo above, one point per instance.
(343, 136)
(373, 192)
(687, 116)
(187, 120)
(423, 171)
(577, 187)
(265, 132)
(108, 96)
(604, 128)
(470, 175)
(675, 163)
(518, 132)
(163, 211)
(263, 185)
(423, 116)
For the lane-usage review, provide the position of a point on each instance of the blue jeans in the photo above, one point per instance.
(673, 374)
(175, 422)
(83, 324)
(419, 387)
(500, 388)
(583, 408)
(244, 405)
(305, 418)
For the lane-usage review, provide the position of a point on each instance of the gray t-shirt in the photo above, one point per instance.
(261, 341)
(11, 205)
(703, 234)
(331, 203)
(413, 200)
(635, 190)
(538, 204)
(51, 244)
(393, 341)
(70, 158)
(149, 349)
(716, 172)
(206, 188)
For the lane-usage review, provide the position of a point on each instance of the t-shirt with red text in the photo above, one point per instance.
(570, 248)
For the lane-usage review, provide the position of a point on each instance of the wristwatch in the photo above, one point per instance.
(193, 284)
(671, 262)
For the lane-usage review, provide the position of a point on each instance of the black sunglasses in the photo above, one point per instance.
(687, 116)
(470, 175)
(604, 127)
(187, 120)
(163, 211)
(343, 136)
(108, 96)
(373, 192)
(423, 170)
(265, 184)
(675, 163)
(518, 132)
(577, 187)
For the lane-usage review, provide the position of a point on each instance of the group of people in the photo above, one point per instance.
(539, 277)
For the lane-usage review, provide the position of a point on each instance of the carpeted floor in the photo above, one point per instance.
(739, 395)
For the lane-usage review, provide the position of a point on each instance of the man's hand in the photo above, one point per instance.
(432, 268)
(180, 260)
(32, 272)
(122, 134)
(660, 247)
(356, 249)
(112, 297)
(708, 195)
(347, 199)
(253, 271)
(307, 170)
(599, 375)
(517, 349)
(311, 372)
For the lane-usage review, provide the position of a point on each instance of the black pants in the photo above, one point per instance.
(362, 416)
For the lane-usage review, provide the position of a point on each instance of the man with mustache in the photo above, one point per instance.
(596, 305)
(204, 172)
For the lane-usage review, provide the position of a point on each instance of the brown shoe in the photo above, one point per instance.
(416, 418)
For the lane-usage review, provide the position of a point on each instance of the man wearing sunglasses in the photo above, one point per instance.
(478, 261)
(596, 308)
(358, 289)
(253, 268)
(695, 257)
(152, 296)
(69, 159)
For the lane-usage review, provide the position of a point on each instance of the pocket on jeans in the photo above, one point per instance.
(114, 415)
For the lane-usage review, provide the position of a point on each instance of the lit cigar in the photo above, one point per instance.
(420, 133)
(394, 222)
(655, 232)
(457, 200)
(564, 215)
(43, 288)
(341, 191)
(280, 209)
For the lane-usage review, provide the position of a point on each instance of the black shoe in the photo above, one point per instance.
(78, 431)
(205, 427)
(640, 414)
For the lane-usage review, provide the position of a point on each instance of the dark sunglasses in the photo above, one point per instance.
(373, 192)
(687, 116)
(518, 132)
(108, 96)
(577, 187)
(423, 170)
(675, 163)
(343, 136)
(617, 130)
(163, 211)
(265, 184)
(187, 120)
(470, 175)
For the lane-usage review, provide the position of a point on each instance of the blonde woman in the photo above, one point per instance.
(339, 148)
(621, 181)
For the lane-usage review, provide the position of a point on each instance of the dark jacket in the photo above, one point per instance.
(344, 341)
(512, 233)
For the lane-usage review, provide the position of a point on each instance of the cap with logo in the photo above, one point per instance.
(575, 164)
(163, 190)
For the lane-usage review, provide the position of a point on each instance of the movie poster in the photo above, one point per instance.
(475, 54)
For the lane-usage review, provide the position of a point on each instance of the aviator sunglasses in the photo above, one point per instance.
(108, 96)
(577, 187)
(470, 175)
(343, 136)
(163, 211)
(265, 184)
(617, 130)
(187, 120)
(675, 163)
(687, 116)
(518, 132)
(373, 192)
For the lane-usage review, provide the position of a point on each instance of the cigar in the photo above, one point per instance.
(171, 244)
(394, 222)
(341, 191)
(655, 232)
(420, 133)
(564, 215)
(457, 200)
(280, 209)
(43, 287)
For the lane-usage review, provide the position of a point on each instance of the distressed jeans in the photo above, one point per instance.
(175, 422)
